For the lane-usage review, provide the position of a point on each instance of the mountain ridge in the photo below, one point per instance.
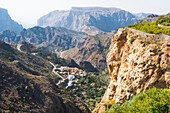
(50, 37)
(93, 50)
(92, 20)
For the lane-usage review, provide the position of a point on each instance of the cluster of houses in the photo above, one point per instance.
(64, 70)
(72, 74)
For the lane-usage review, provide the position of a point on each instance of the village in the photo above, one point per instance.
(69, 75)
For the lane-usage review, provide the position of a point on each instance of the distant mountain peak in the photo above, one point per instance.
(153, 15)
(6, 23)
(91, 20)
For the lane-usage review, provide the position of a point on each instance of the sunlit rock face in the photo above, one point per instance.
(136, 61)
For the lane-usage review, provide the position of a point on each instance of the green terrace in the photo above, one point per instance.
(160, 26)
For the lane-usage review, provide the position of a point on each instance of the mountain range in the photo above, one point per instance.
(91, 20)
(74, 77)
(49, 37)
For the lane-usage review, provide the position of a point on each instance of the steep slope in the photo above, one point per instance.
(136, 62)
(29, 48)
(49, 38)
(93, 50)
(27, 84)
(6, 23)
(91, 20)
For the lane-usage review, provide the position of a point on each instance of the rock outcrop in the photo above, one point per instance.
(6, 23)
(136, 62)
(91, 20)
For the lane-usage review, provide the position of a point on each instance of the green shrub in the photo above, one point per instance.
(152, 27)
(7, 111)
(152, 101)
(131, 40)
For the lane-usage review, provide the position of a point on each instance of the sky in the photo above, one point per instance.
(27, 12)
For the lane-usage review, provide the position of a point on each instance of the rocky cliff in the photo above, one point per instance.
(136, 62)
(92, 20)
(6, 23)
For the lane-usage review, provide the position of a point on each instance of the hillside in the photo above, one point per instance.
(27, 84)
(72, 77)
(91, 20)
(136, 61)
(93, 50)
(29, 48)
(6, 23)
(152, 101)
(160, 26)
(71, 80)
(49, 38)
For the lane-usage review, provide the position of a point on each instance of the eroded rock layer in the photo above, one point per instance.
(136, 61)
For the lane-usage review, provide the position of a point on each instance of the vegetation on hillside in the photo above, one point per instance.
(152, 101)
(27, 84)
(160, 26)
(88, 89)
(91, 88)
(165, 21)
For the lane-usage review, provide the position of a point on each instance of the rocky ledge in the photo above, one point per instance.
(136, 61)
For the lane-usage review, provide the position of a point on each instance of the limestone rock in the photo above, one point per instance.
(136, 62)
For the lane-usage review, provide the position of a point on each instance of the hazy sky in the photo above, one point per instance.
(28, 11)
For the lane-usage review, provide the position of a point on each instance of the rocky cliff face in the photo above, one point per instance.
(6, 23)
(136, 61)
(92, 20)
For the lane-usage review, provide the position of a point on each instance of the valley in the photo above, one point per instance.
(86, 60)
(71, 76)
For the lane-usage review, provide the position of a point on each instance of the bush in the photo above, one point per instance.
(152, 27)
(131, 40)
(152, 101)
